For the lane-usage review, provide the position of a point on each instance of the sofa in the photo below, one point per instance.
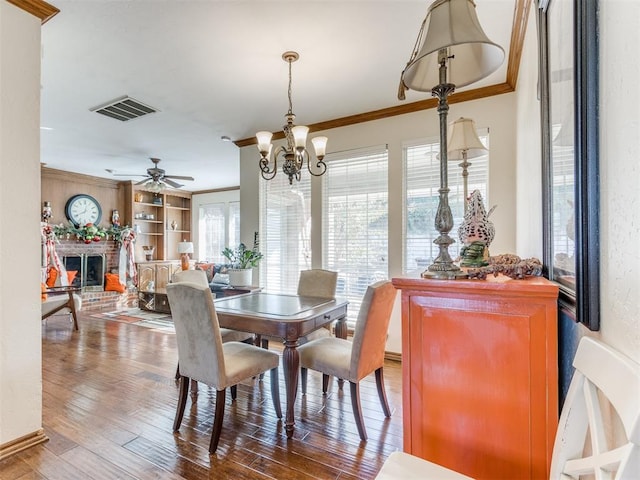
(216, 276)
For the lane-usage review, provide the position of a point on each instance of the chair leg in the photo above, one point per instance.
(265, 343)
(382, 395)
(217, 420)
(72, 307)
(182, 402)
(303, 380)
(325, 383)
(234, 392)
(178, 371)
(275, 392)
(357, 409)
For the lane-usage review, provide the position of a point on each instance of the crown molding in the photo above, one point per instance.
(38, 8)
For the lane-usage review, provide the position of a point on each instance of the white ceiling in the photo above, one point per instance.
(213, 68)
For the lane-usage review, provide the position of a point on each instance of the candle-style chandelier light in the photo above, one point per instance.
(294, 153)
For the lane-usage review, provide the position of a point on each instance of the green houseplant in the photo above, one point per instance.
(241, 257)
(241, 261)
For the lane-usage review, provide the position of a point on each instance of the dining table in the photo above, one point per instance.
(289, 317)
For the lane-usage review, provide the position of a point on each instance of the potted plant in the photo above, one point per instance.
(241, 262)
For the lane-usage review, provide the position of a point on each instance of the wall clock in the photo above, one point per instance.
(82, 209)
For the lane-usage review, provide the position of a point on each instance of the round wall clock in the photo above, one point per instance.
(82, 209)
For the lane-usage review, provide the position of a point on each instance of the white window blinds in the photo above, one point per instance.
(422, 182)
(354, 221)
(285, 226)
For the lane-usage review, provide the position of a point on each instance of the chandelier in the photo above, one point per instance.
(294, 153)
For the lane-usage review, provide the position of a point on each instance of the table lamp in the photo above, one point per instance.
(464, 143)
(184, 249)
(451, 51)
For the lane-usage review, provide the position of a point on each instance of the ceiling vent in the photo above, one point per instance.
(124, 109)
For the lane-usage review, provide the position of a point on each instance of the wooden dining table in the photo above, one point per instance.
(289, 317)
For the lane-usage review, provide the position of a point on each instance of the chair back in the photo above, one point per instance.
(603, 379)
(317, 283)
(197, 276)
(370, 336)
(200, 353)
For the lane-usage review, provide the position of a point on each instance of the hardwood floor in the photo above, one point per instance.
(109, 399)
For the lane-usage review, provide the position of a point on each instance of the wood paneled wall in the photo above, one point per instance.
(58, 186)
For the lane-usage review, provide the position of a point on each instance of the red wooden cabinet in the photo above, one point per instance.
(480, 374)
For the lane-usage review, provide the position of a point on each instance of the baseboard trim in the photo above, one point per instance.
(22, 443)
(393, 356)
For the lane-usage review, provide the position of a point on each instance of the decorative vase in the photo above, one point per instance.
(174, 225)
(240, 277)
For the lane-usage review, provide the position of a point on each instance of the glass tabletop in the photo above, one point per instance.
(271, 303)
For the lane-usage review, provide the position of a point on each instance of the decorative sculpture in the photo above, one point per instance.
(476, 233)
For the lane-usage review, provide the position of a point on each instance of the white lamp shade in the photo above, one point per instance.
(453, 25)
(463, 137)
(185, 247)
(264, 141)
(300, 135)
(320, 145)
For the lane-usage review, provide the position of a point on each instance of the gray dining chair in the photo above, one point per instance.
(205, 358)
(354, 360)
(319, 283)
(199, 277)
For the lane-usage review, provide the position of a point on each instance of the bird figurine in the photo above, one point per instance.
(475, 233)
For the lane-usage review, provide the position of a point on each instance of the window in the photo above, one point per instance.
(354, 221)
(285, 227)
(422, 182)
(219, 226)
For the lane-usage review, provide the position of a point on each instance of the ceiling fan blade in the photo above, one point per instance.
(171, 183)
(180, 177)
(142, 181)
(128, 175)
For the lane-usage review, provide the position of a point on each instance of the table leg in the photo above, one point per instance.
(291, 364)
(341, 332)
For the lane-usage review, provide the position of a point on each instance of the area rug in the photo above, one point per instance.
(140, 318)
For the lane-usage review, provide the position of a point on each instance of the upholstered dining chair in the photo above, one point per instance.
(62, 300)
(205, 358)
(354, 360)
(316, 282)
(199, 277)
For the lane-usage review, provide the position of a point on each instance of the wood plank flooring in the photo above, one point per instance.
(109, 399)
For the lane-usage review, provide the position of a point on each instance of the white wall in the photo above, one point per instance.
(496, 113)
(620, 174)
(20, 325)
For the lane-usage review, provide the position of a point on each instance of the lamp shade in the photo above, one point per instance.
(185, 247)
(452, 25)
(464, 138)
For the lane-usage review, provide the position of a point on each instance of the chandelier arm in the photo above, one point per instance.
(266, 172)
(320, 165)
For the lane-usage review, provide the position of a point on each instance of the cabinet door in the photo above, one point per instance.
(146, 277)
(480, 385)
(163, 275)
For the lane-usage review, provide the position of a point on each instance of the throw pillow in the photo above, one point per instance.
(52, 276)
(71, 275)
(43, 289)
(209, 269)
(112, 283)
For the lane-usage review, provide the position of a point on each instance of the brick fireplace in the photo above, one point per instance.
(92, 261)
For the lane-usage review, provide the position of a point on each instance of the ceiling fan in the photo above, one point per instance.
(156, 177)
